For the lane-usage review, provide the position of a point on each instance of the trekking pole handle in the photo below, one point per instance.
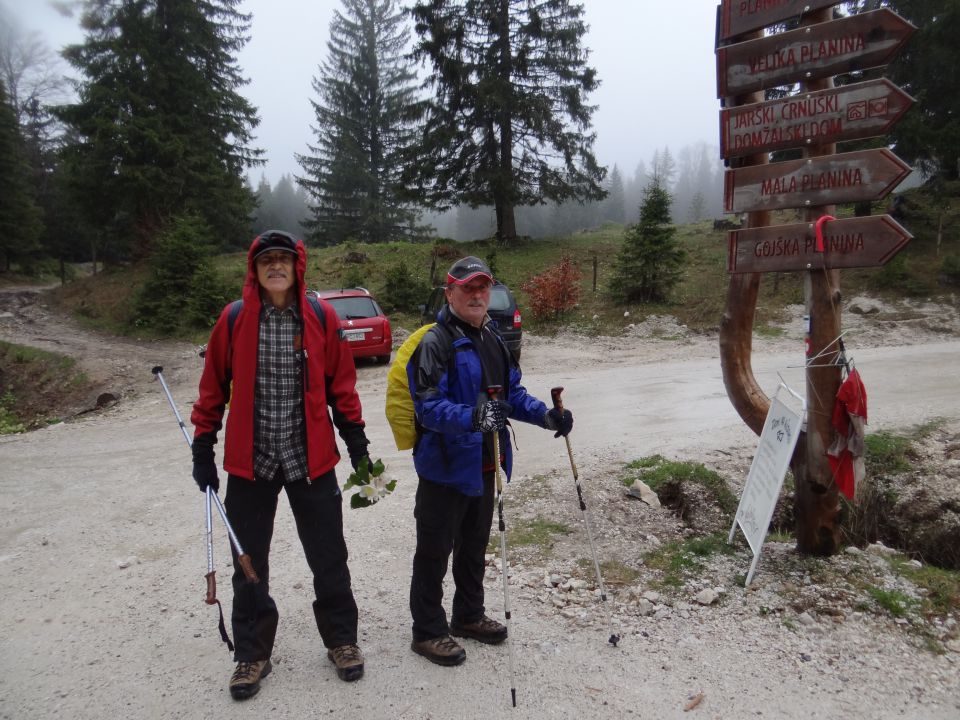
(555, 396)
(493, 392)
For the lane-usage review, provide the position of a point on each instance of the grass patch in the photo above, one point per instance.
(35, 385)
(640, 464)
(676, 561)
(893, 601)
(769, 331)
(663, 476)
(891, 453)
(538, 532)
(10, 424)
(942, 587)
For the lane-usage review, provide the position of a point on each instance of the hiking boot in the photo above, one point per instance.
(485, 630)
(245, 682)
(443, 650)
(349, 662)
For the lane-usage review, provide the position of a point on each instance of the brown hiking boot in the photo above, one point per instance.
(245, 681)
(485, 630)
(443, 650)
(349, 662)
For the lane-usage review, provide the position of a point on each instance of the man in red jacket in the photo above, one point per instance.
(283, 354)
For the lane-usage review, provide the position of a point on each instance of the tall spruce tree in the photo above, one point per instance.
(20, 223)
(509, 123)
(929, 134)
(366, 111)
(160, 128)
(650, 263)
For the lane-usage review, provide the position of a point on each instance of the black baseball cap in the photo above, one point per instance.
(275, 240)
(466, 269)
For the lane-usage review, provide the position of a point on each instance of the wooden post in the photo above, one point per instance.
(817, 503)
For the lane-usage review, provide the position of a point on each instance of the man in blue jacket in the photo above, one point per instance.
(455, 363)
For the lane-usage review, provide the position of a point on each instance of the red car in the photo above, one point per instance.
(362, 322)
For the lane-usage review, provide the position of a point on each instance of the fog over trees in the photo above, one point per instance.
(497, 142)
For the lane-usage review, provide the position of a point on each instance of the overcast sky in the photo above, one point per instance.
(655, 62)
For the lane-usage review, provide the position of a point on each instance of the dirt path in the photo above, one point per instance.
(101, 548)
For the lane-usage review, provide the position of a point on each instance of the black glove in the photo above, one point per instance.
(206, 475)
(355, 460)
(490, 416)
(204, 467)
(562, 422)
(356, 441)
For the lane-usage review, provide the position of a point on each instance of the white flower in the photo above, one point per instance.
(369, 492)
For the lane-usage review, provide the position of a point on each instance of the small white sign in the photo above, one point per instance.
(777, 441)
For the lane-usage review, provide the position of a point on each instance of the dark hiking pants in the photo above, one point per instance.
(449, 521)
(317, 510)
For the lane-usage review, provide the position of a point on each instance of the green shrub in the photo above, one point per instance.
(183, 290)
(402, 291)
(950, 270)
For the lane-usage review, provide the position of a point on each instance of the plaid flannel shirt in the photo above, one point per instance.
(279, 437)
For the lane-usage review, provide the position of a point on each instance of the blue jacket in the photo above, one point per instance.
(446, 382)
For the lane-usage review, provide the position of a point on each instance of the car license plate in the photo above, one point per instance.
(355, 335)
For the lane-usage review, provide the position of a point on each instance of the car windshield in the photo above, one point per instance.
(352, 308)
(499, 298)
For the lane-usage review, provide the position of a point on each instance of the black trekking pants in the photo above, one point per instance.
(317, 509)
(449, 521)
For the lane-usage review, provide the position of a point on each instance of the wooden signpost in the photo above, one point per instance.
(847, 243)
(851, 112)
(856, 42)
(740, 16)
(845, 177)
(750, 62)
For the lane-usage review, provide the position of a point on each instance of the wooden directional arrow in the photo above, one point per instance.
(848, 243)
(740, 16)
(816, 51)
(827, 180)
(851, 112)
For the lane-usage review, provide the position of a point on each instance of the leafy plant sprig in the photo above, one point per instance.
(371, 482)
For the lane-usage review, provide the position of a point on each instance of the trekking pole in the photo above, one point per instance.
(558, 404)
(242, 558)
(493, 391)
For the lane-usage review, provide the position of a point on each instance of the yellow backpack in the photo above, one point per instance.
(399, 405)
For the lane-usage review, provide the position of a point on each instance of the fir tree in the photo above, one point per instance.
(650, 263)
(20, 223)
(160, 127)
(365, 111)
(509, 123)
(613, 205)
(929, 134)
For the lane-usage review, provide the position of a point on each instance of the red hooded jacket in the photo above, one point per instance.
(329, 378)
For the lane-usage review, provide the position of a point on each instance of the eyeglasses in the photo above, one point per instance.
(283, 258)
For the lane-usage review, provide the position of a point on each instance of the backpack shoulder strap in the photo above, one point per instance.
(235, 307)
(316, 304)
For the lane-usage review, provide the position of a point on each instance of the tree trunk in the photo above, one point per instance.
(504, 193)
(507, 225)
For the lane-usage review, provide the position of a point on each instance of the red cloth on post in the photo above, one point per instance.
(849, 418)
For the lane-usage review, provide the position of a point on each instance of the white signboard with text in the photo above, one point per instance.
(777, 441)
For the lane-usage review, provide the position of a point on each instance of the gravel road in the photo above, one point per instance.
(102, 551)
